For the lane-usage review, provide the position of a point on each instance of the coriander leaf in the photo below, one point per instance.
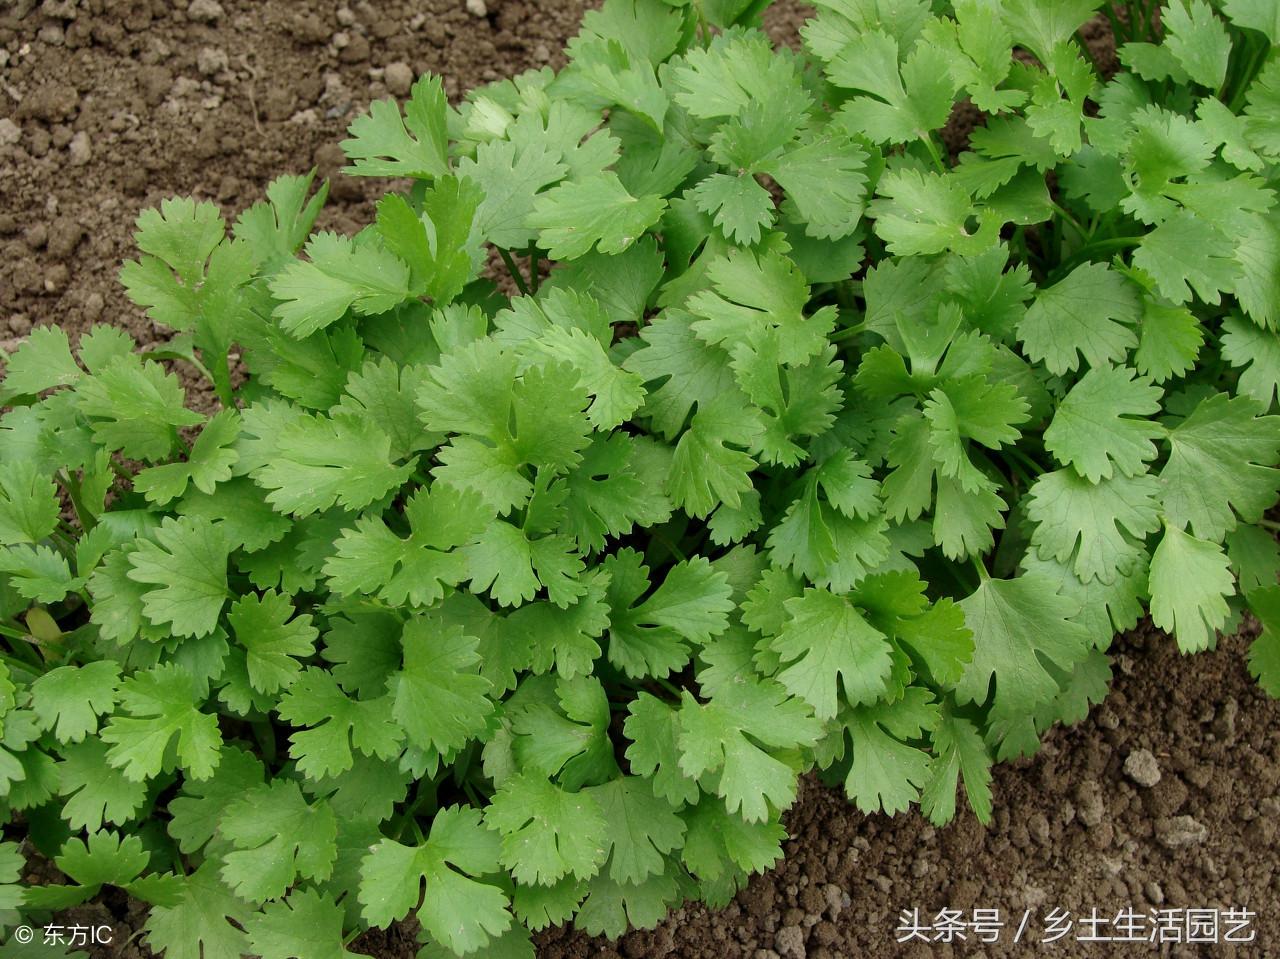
(439, 698)
(273, 637)
(902, 106)
(728, 739)
(653, 727)
(208, 464)
(337, 723)
(1100, 426)
(1186, 253)
(1216, 468)
(186, 568)
(828, 642)
(1087, 314)
(338, 275)
(641, 828)
(1102, 525)
(69, 699)
(307, 923)
(886, 771)
(42, 362)
(319, 461)
(94, 791)
(135, 406)
(160, 709)
(825, 182)
(547, 832)
(1170, 340)
(372, 559)
(1023, 629)
(1257, 352)
(738, 205)
(29, 507)
(918, 214)
(756, 294)
(959, 751)
(1198, 40)
(1264, 653)
(597, 212)
(652, 637)
(383, 143)
(276, 837)
(197, 924)
(1190, 582)
(198, 808)
(705, 470)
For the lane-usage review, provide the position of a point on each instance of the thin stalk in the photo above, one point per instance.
(514, 270)
(1098, 246)
(1269, 524)
(932, 147)
(535, 266)
(983, 575)
(848, 333)
(72, 486)
(1068, 218)
(1016, 454)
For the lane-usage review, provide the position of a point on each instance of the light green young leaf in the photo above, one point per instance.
(1190, 582)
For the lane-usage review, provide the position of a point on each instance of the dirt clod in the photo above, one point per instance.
(1142, 768)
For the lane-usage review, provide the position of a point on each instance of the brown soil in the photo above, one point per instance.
(115, 104)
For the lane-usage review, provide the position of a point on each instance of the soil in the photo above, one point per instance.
(107, 106)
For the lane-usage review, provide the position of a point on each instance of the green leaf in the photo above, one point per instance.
(1087, 314)
(653, 728)
(29, 507)
(713, 742)
(1099, 527)
(136, 407)
(1186, 253)
(307, 924)
(886, 771)
(596, 213)
(274, 639)
(338, 724)
(95, 792)
(829, 644)
(383, 143)
(652, 637)
(1023, 631)
(437, 244)
(1216, 468)
(198, 923)
(1264, 653)
(1198, 40)
(208, 464)
(1257, 352)
(69, 699)
(641, 828)
(276, 837)
(42, 362)
(160, 724)
(959, 751)
(439, 697)
(186, 568)
(547, 832)
(570, 743)
(738, 205)
(1190, 582)
(338, 276)
(317, 462)
(1100, 427)
(901, 106)
(918, 214)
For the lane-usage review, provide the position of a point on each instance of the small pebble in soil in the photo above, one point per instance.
(398, 77)
(1179, 832)
(477, 8)
(1142, 768)
(211, 60)
(80, 150)
(204, 11)
(10, 132)
(790, 942)
(1089, 805)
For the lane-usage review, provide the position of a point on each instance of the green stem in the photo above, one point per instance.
(983, 575)
(1269, 524)
(1016, 454)
(848, 333)
(1092, 249)
(514, 271)
(668, 686)
(1068, 218)
(535, 263)
(265, 735)
(932, 147)
(1246, 76)
(672, 548)
(72, 486)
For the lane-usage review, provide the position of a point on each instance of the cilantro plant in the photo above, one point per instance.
(802, 444)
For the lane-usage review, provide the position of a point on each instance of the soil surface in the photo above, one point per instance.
(1165, 798)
